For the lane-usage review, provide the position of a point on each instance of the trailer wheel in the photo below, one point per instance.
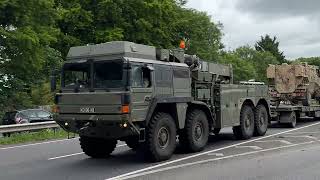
(246, 128)
(261, 120)
(293, 120)
(307, 100)
(160, 138)
(133, 142)
(194, 136)
(97, 147)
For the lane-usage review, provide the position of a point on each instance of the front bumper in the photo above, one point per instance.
(102, 126)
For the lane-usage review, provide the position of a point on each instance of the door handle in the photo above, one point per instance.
(147, 98)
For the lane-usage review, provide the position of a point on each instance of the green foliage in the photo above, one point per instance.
(27, 29)
(242, 69)
(203, 36)
(158, 23)
(312, 60)
(248, 63)
(24, 137)
(268, 44)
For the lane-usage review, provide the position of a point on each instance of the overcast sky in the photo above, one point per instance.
(296, 23)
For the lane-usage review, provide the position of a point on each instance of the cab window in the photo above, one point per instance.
(141, 76)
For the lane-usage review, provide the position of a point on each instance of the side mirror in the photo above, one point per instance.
(53, 80)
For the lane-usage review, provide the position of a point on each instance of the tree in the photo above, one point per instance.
(312, 60)
(204, 36)
(242, 68)
(158, 23)
(27, 29)
(248, 63)
(268, 44)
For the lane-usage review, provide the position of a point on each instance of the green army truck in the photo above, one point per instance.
(147, 97)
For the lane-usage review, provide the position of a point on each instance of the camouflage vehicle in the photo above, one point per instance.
(147, 97)
(297, 83)
(294, 91)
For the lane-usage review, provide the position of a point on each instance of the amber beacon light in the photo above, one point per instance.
(182, 44)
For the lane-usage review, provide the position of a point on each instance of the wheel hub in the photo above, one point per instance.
(198, 131)
(262, 120)
(247, 122)
(163, 137)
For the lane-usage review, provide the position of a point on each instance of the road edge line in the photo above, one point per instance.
(212, 160)
(206, 152)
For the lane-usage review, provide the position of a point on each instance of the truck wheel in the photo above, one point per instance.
(160, 138)
(293, 120)
(194, 136)
(97, 147)
(133, 142)
(261, 120)
(246, 128)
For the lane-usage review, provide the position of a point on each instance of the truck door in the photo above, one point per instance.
(163, 80)
(141, 90)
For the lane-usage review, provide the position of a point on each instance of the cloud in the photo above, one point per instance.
(279, 8)
(294, 22)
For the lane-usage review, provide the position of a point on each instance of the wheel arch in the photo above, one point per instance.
(175, 106)
(248, 102)
(203, 107)
(169, 108)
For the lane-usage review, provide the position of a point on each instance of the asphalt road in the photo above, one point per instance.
(281, 154)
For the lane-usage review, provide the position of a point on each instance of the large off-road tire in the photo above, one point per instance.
(97, 147)
(261, 120)
(194, 136)
(160, 138)
(133, 142)
(246, 128)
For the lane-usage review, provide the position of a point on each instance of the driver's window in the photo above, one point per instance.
(141, 77)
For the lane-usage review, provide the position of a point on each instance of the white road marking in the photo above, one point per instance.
(34, 144)
(282, 141)
(251, 147)
(305, 132)
(209, 160)
(75, 154)
(216, 154)
(59, 157)
(207, 152)
(309, 137)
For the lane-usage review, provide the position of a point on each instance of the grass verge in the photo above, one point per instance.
(24, 137)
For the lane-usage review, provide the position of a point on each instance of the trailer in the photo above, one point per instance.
(286, 114)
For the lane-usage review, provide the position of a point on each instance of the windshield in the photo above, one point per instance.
(106, 75)
(76, 75)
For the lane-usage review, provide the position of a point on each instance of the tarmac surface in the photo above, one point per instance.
(282, 153)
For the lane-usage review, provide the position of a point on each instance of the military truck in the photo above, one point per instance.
(294, 91)
(147, 97)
